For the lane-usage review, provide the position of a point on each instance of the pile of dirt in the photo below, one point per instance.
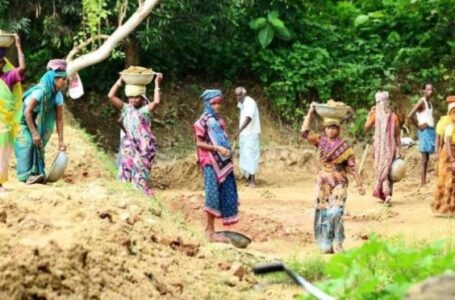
(279, 166)
(290, 161)
(90, 237)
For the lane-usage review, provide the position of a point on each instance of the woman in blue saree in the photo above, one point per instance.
(214, 153)
(43, 107)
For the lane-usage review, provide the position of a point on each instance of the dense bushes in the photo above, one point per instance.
(299, 51)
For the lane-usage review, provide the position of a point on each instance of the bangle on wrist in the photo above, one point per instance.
(157, 89)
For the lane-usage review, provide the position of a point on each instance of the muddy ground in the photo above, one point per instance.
(278, 214)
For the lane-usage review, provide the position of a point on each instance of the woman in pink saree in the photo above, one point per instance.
(386, 145)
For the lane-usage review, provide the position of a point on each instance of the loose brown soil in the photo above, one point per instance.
(89, 237)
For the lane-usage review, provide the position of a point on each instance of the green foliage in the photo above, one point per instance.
(298, 51)
(348, 50)
(357, 126)
(269, 27)
(381, 269)
(95, 12)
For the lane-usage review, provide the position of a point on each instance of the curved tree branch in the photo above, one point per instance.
(122, 12)
(82, 46)
(119, 34)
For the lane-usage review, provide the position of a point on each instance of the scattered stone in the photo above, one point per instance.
(161, 288)
(124, 216)
(178, 286)
(106, 215)
(156, 211)
(224, 266)
(238, 270)
(230, 280)
(122, 204)
(3, 216)
(439, 287)
(188, 249)
(132, 220)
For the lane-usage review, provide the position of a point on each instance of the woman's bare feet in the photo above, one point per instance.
(251, 184)
(217, 238)
(388, 201)
(338, 248)
(327, 251)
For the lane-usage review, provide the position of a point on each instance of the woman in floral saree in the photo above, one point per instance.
(336, 160)
(138, 144)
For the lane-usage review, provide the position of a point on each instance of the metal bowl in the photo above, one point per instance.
(326, 111)
(398, 170)
(137, 79)
(6, 40)
(237, 239)
(58, 167)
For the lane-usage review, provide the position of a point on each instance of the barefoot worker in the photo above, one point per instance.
(444, 196)
(43, 107)
(10, 106)
(336, 160)
(386, 145)
(248, 134)
(425, 123)
(214, 157)
(138, 144)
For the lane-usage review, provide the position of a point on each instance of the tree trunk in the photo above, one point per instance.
(131, 49)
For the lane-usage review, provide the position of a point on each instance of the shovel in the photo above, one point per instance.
(280, 267)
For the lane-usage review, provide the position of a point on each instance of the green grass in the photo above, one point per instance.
(311, 268)
(379, 269)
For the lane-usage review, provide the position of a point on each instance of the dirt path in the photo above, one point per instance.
(279, 218)
(89, 237)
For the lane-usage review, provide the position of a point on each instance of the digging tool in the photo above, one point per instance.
(280, 267)
(364, 156)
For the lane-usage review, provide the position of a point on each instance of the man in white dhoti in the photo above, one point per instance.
(248, 134)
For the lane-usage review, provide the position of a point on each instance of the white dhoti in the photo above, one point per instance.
(249, 153)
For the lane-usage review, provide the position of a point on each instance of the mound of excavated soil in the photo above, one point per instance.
(89, 237)
(279, 166)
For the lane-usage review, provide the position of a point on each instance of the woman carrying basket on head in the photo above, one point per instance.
(336, 160)
(138, 144)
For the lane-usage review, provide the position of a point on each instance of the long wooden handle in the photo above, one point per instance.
(365, 152)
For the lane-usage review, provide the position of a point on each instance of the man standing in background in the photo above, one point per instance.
(248, 134)
(423, 110)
